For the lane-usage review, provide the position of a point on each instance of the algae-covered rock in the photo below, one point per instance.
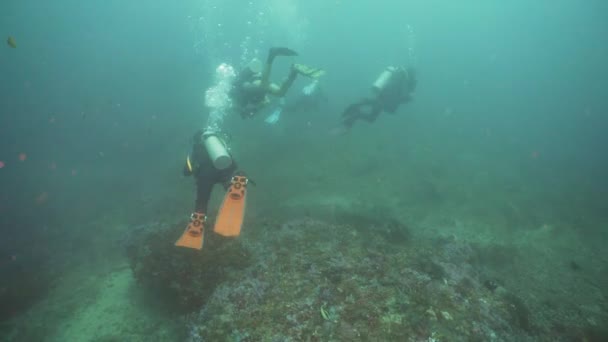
(184, 278)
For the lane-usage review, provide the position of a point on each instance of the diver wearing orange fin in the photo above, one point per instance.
(211, 163)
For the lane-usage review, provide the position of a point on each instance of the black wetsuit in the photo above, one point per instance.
(387, 100)
(247, 101)
(250, 99)
(206, 174)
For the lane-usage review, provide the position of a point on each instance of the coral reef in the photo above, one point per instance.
(359, 280)
(184, 278)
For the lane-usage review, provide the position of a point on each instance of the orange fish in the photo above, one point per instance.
(11, 42)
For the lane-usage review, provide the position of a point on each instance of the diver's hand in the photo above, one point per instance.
(309, 89)
(274, 117)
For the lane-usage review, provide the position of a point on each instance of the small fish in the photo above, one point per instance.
(11, 42)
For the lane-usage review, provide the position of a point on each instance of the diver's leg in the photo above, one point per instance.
(351, 114)
(194, 234)
(372, 115)
(203, 193)
(265, 81)
(282, 90)
(348, 121)
(224, 177)
(272, 53)
(357, 111)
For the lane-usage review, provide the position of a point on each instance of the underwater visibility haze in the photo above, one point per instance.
(289, 170)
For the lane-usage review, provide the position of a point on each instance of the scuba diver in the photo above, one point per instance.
(252, 86)
(210, 163)
(393, 87)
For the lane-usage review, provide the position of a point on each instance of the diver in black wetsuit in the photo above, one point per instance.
(211, 163)
(252, 87)
(206, 173)
(393, 88)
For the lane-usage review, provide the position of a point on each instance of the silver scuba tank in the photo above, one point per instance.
(217, 151)
(384, 79)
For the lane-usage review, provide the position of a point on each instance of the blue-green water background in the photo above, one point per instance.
(103, 96)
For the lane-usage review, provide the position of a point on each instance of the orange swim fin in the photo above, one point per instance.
(230, 218)
(194, 233)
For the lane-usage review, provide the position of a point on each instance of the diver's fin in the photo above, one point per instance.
(230, 218)
(308, 71)
(194, 233)
(280, 51)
